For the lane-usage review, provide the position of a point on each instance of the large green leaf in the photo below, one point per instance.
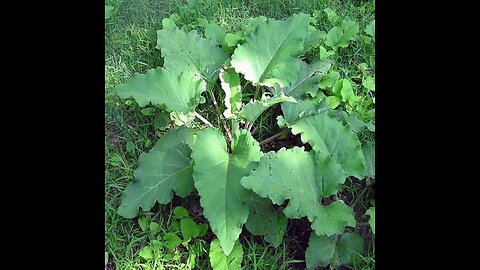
(303, 108)
(308, 79)
(220, 261)
(230, 82)
(334, 251)
(336, 215)
(190, 52)
(265, 220)
(329, 136)
(303, 178)
(217, 178)
(166, 167)
(254, 108)
(270, 54)
(340, 36)
(162, 87)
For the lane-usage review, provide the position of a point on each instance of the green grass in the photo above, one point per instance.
(130, 40)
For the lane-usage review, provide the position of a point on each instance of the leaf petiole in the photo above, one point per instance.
(203, 119)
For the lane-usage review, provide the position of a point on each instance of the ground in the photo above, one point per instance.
(130, 40)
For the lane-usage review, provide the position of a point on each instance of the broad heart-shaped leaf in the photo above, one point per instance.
(270, 55)
(146, 252)
(368, 149)
(190, 52)
(172, 241)
(329, 136)
(218, 259)
(335, 215)
(156, 245)
(340, 36)
(303, 108)
(189, 229)
(308, 79)
(265, 220)
(143, 221)
(180, 212)
(253, 109)
(230, 82)
(202, 229)
(371, 221)
(335, 251)
(172, 138)
(303, 178)
(179, 93)
(217, 178)
(154, 228)
(166, 167)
